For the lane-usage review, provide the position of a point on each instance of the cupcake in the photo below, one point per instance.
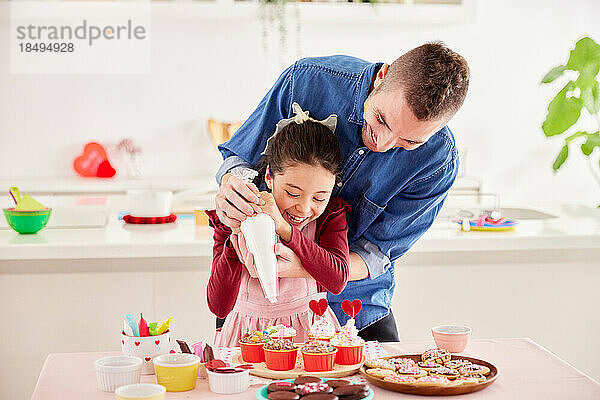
(349, 345)
(281, 331)
(323, 329)
(251, 345)
(280, 354)
(318, 356)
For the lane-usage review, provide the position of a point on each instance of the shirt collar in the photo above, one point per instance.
(361, 91)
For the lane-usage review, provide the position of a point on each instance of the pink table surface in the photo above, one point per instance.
(526, 370)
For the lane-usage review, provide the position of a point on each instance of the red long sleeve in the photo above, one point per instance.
(327, 260)
(226, 274)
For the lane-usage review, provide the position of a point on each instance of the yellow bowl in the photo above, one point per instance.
(177, 372)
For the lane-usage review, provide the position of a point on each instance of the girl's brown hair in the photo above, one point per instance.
(309, 143)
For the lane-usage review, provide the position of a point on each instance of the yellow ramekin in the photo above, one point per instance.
(140, 391)
(177, 372)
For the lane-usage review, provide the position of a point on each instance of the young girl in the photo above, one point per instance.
(301, 163)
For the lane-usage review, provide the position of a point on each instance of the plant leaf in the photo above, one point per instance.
(585, 57)
(554, 73)
(590, 96)
(593, 140)
(563, 112)
(561, 158)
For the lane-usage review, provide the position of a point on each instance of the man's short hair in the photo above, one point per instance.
(434, 79)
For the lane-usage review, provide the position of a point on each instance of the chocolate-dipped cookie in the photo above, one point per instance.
(312, 387)
(307, 379)
(320, 396)
(281, 386)
(337, 382)
(283, 396)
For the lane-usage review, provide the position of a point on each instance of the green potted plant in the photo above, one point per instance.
(580, 93)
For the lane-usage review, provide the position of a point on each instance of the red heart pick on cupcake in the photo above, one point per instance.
(351, 308)
(318, 307)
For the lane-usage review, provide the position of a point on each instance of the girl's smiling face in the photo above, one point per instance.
(301, 192)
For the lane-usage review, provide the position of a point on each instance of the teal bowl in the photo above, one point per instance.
(27, 222)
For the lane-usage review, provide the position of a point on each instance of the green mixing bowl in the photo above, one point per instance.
(27, 221)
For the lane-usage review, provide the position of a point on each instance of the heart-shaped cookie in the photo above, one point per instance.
(351, 308)
(318, 307)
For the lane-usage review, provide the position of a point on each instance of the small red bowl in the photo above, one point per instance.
(319, 362)
(281, 360)
(252, 352)
(349, 355)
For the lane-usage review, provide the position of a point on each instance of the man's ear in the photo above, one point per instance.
(269, 179)
(380, 75)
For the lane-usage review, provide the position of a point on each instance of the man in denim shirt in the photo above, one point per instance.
(400, 160)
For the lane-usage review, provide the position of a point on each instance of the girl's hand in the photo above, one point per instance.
(246, 258)
(282, 228)
(288, 263)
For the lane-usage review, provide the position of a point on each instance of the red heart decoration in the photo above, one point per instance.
(169, 339)
(157, 342)
(105, 170)
(137, 343)
(319, 307)
(87, 164)
(122, 342)
(172, 351)
(351, 309)
(147, 358)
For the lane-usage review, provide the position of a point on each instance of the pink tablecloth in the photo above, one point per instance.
(526, 371)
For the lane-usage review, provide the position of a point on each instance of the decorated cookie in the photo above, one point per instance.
(379, 363)
(410, 371)
(380, 372)
(474, 369)
(402, 361)
(313, 387)
(445, 372)
(456, 364)
(400, 378)
(281, 386)
(433, 380)
(480, 377)
(439, 356)
(320, 396)
(428, 365)
(466, 380)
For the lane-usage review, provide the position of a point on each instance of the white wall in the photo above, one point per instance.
(203, 68)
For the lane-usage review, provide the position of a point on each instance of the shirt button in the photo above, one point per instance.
(361, 152)
(339, 184)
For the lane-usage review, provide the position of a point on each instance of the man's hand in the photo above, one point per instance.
(236, 201)
(288, 263)
(246, 258)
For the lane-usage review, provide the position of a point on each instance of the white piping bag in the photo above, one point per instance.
(259, 232)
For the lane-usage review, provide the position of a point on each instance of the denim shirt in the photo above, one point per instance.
(395, 195)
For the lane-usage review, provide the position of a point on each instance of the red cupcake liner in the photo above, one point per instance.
(349, 355)
(280, 360)
(319, 362)
(252, 352)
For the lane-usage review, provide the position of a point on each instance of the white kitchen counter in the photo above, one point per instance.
(576, 228)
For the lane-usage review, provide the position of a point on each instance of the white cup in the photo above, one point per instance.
(146, 348)
(149, 203)
(112, 372)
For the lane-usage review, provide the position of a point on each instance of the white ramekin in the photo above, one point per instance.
(229, 383)
(112, 372)
(141, 391)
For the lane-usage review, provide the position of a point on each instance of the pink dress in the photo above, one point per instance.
(253, 312)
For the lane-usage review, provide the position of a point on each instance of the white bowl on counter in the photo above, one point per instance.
(149, 203)
(112, 372)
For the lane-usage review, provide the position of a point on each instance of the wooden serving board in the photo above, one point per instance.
(260, 369)
(412, 388)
